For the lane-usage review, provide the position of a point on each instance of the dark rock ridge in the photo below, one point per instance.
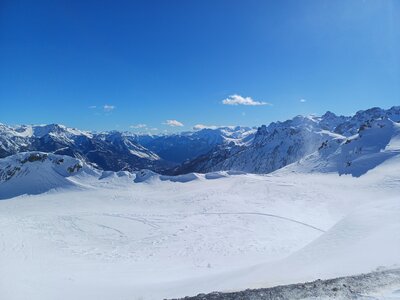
(352, 287)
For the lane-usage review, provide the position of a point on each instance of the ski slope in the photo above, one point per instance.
(105, 236)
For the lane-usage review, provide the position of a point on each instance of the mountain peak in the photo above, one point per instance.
(329, 114)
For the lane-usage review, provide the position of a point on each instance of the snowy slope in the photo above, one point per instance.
(117, 239)
(38, 172)
(365, 240)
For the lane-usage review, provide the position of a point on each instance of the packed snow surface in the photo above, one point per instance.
(105, 236)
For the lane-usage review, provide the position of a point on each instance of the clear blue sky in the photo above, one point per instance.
(152, 61)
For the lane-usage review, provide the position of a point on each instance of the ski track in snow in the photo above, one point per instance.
(267, 215)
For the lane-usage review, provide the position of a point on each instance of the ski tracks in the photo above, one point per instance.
(266, 215)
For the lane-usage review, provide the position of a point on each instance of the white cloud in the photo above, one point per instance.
(138, 126)
(92, 106)
(154, 129)
(202, 126)
(239, 100)
(173, 123)
(302, 100)
(108, 107)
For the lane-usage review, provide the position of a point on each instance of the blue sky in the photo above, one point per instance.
(104, 65)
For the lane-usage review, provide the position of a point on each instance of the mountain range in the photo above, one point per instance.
(282, 143)
(325, 143)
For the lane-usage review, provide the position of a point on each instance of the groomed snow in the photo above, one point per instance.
(112, 238)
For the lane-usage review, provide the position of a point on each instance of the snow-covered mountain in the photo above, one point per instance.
(273, 147)
(38, 172)
(109, 151)
(22, 138)
(119, 150)
(189, 145)
(283, 143)
(264, 150)
(364, 117)
(376, 141)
